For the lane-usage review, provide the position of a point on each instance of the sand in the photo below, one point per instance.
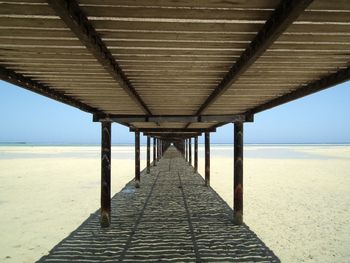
(297, 198)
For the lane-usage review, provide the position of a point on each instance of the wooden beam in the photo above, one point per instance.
(207, 158)
(339, 77)
(173, 118)
(105, 174)
(17, 79)
(137, 159)
(148, 154)
(196, 154)
(173, 130)
(281, 18)
(171, 136)
(74, 17)
(238, 173)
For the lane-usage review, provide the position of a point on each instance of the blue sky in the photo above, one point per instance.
(323, 117)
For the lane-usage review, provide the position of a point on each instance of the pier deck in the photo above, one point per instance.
(173, 217)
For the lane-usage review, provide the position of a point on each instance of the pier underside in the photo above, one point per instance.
(172, 217)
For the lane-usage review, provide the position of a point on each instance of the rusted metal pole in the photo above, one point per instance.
(238, 173)
(148, 154)
(196, 154)
(158, 149)
(137, 159)
(154, 152)
(183, 148)
(105, 174)
(190, 152)
(207, 158)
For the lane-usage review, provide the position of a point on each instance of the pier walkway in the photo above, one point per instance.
(173, 217)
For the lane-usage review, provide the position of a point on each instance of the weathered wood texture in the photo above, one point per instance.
(75, 19)
(238, 173)
(105, 174)
(39, 88)
(207, 158)
(171, 218)
(174, 54)
(284, 15)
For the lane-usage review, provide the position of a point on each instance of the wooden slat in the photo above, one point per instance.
(318, 85)
(27, 83)
(175, 13)
(185, 3)
(79, 24)
(174, 52)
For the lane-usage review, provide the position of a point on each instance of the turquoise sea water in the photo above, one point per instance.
(126, 151)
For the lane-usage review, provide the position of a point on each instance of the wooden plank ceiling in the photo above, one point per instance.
(174, 57)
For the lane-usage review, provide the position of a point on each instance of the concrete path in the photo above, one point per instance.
(173, 217)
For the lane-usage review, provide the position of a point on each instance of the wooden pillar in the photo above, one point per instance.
(238, 173)
(207, 158)
(196, 154)
(137, 159)
(105, 174)
(154, 152)
(190, 152)
(148, 154)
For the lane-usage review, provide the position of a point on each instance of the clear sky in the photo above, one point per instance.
(323, 117)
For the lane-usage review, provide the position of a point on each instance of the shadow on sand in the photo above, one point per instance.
(171, 218)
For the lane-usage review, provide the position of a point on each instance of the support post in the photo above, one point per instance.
(148, 154)
(238, 173)
(161, 148)
(190, 152)
(137, 159)
(158, 149)
(196, 154)
(207, 158)
(186, 143)
(105, 174)
(154, 152)
(184, 148)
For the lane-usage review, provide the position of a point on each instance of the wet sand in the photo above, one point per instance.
(297, 198)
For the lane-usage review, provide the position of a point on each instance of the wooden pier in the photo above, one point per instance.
(172, 71)
(172, 217)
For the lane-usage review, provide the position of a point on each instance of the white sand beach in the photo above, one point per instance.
(296, 198)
